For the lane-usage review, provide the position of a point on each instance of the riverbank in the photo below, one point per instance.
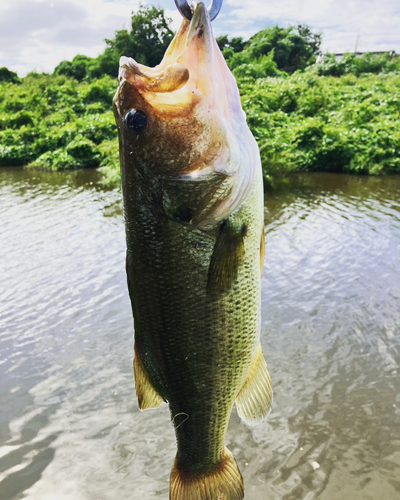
(302, 122)
(307, 122)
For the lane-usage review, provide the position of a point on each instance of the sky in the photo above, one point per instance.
(35, 35)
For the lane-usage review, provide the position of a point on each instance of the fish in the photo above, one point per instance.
(193, 202)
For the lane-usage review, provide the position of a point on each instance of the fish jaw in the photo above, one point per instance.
(195, 122)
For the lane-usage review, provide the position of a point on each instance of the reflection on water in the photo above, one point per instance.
(70, 428)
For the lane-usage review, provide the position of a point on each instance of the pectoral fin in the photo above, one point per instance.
(254, 399)
(227, 256)
(148, 397)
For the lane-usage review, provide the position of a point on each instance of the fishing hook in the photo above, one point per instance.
(186, 11)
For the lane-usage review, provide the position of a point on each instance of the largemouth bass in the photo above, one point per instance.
(193, 202)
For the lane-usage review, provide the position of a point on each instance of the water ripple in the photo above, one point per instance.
(70, 426)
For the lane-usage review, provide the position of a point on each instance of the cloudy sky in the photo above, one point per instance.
(38, 34)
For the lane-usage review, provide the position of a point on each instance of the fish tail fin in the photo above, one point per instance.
(222, 482)
(255, 398)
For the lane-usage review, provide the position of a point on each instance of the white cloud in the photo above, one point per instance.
(38, 34)
(375, 23)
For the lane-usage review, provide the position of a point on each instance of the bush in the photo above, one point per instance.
(84, 152)
(9, 76)
(109, 165)
(53, 122)
(79, 68)
(290, 51)
(54, 160)
(100, 92)
(16, 120)
(264, 66)
(351, 64)
(79, 153)
(14, 155)
(307, 122)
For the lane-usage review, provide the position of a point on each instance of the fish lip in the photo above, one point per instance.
(186, 65)
(124, 66)
(200, 24)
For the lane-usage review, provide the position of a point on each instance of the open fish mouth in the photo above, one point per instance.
(190, 106)
(189, 61)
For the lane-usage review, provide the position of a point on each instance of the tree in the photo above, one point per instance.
(150, 34)
(7, 75)
(291, 50)
(236, 44)
(78, 68)
(312, 39)
(147, 41)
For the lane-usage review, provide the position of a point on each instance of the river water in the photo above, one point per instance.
(70, 428)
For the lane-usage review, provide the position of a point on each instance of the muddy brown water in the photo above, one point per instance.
(70, 428)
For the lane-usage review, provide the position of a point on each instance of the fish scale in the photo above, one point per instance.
(194, 340)
(193, 203)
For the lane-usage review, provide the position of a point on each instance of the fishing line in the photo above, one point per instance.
(183, 421)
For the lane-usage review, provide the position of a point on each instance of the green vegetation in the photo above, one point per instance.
(309, 122)
(330, 116)
(55, 123)
(289, 49)
(147, 41)
(8, 76)
(351, 64)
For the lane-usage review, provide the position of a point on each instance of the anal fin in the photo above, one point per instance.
(254, 400)
(148, 397)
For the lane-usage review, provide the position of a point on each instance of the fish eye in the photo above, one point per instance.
(136, 120)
